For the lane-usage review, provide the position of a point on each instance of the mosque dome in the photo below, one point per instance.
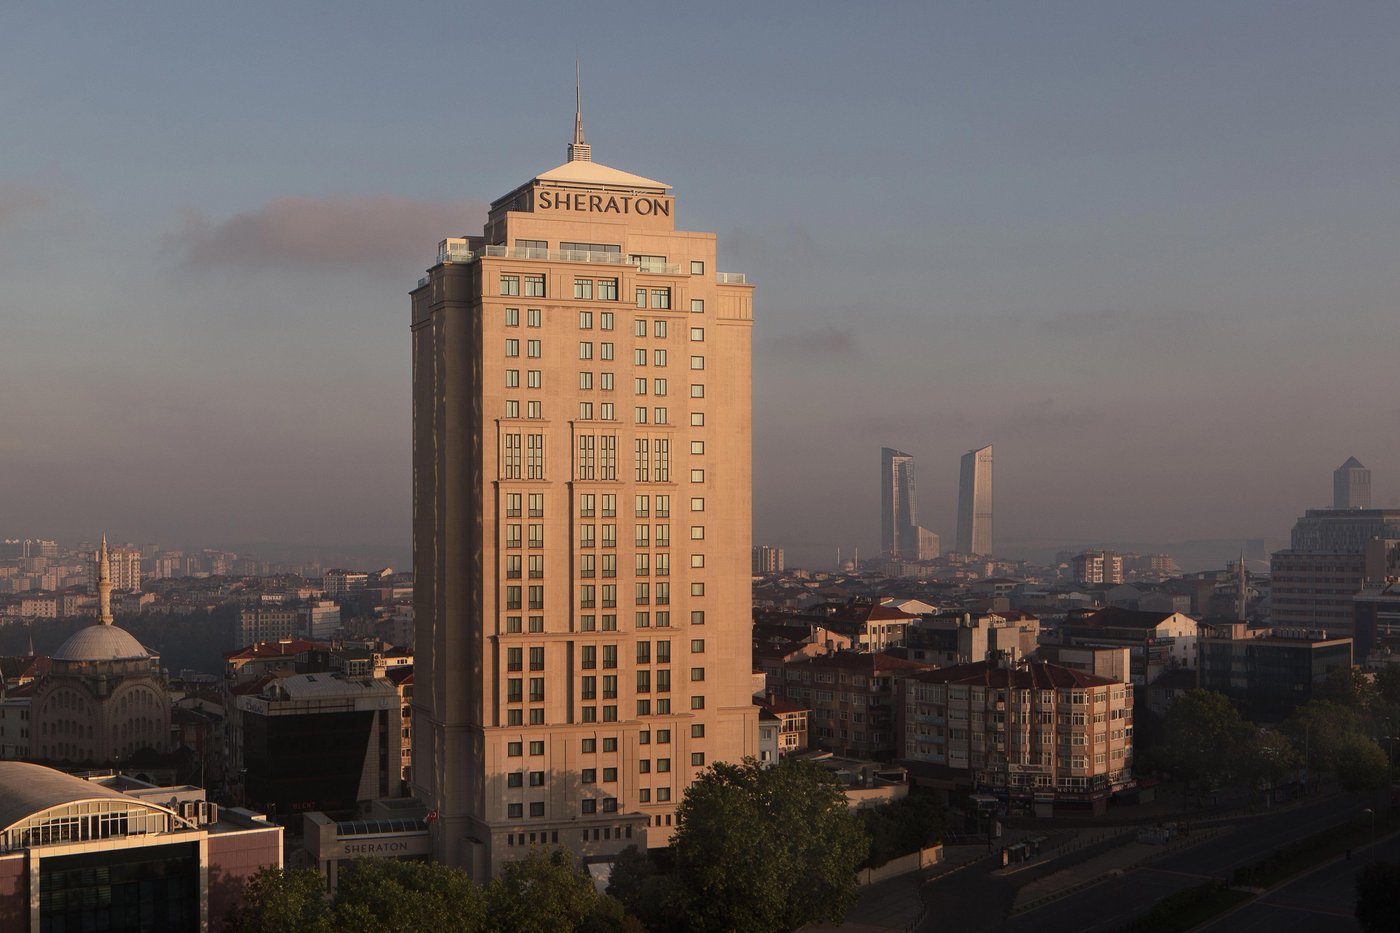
(101, 643)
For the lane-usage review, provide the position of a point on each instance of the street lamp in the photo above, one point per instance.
(1372, 814)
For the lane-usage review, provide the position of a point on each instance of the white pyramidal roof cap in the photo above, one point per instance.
(101, 643)
(580, 172)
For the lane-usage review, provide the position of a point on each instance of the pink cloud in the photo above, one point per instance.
(330, 232)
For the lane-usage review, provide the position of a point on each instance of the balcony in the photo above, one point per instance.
(731, 278)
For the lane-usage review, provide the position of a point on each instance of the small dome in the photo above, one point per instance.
(101, 643)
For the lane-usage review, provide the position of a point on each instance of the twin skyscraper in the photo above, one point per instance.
(901, 536)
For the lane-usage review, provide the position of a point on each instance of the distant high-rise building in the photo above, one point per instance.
(1098, 567)
(975, 502)
(1351, 486)
(582, 500)
(900, 534)
(898, 537)
(767, 559)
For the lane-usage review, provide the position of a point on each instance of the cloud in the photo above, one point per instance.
(17, 200)
(820, 342)
(336, 232)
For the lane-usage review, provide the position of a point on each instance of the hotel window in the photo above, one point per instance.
(512, 408)
(585, 505)
(512, 625)
(663, 677)
(609, 593)
(697, 267)
(536, 566)
(510, 285)
(610, 744)
(610, 621)
(642, 506)
(663, 535)
(588, 657)
(534, 286)
(639, 356)
(697, 362)
(697, 646)
(588, 776)
(514, 659)
(659, 330)
(607, 289)
(697, 306)
(512, 566)
(515, 778)
(697, 419)
(663, 765)
(609, 536)
(586, 566)
(512, 378)
(663, 510)
(642, 594)
(585, 456)
(643, 562)
(663, 594)
(587, 623)
(697, 504)
(659, 416)
(585, 320)
(607, 412)
(605, 318)
(663, 794)
(609, 777)
(641, 297)
(663, 460)
(697, 447)
(610, 686)
(605, 352)
(532, 317)
(537, 779)
(606, 379)
(534, 456)
(590, 746)
(583, 288)
(588, 806)
(533, 409)
(532, 349)
(513, 500)
(585, 351)
(514, 749)
(528, 245)
(697, 476)
(663, 564)
(697, 617)
(641, 537)
(585, 411)
(609, 505)
(659, 358)
(515, 811)
(586, 593)
(532, 378)
(697, 674)
(609, 565)
(641, 460)
(697, 759)
(512, 346)
(536, 596)
(658, 387)
(639, 327)
(639, 386)
(511, 469)
(663, 651)
(697, 334)
(609, 804)
(661, 298)
(697, 588)
(609, 656)
(512, 317)
(610, 713)
(514, 690)
(607, 467)
(697, 702)
(537, 808)
(697, 532)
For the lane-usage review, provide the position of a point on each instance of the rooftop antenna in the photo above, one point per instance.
(578, 149)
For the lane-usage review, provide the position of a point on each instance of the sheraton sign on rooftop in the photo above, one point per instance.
(602, 202)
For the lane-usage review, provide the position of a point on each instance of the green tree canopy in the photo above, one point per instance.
(546, 892)
(393, 896)
(1204, 738)
(766, 850)
(1360, 764)
(275, 900)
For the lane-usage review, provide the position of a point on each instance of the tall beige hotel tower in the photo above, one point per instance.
(582, 436)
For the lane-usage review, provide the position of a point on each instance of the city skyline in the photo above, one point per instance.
(204, 277)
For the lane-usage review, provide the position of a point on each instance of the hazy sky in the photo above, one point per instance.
(1150, 251)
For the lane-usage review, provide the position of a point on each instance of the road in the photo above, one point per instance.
(976, 900)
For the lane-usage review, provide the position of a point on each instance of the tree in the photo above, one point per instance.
(275, 900)
(1348, 687)
(1268, 758)
(765, 849)
(1360, 764)
(1204, 735)
(393, 896)
(1378, 897)
(546, 892)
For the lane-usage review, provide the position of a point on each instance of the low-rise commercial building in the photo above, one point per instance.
(1269, 672)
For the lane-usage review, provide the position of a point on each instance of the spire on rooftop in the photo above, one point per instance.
(104, 584)
(578, 149)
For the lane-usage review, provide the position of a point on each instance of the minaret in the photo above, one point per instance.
(104, 585)
(578, 149)
(1244, 590)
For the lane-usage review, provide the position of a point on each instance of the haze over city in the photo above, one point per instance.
(1147, 251)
